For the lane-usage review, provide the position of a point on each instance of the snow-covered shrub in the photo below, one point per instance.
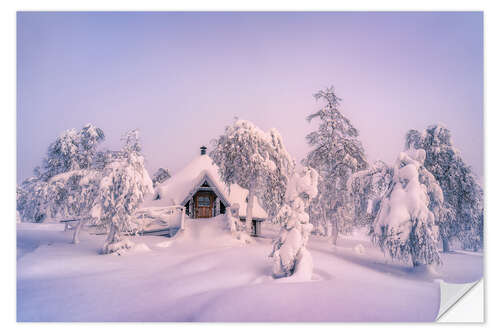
(232, 218)
(462, 214)
(336, 154)
(359, 249)
(122, 188)
(290, 255)
(256, 161)
(405, 226)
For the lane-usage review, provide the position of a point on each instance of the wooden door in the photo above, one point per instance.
(204, 204)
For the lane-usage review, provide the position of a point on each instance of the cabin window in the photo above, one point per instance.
(203, 201)
(205, 184)
(157, 197)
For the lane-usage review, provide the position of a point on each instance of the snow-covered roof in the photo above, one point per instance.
(185, 183)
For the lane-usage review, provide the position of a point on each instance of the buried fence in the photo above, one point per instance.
(162, 221)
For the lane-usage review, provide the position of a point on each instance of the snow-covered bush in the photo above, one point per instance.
(122, 188)
(160, 176)
(232, 219)
(290, 255)
(462, 214)
(256, 161)
(405, 225)
(336, 154)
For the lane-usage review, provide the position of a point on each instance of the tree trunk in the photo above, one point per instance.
(325, 224)
(76, 234)
(114, 242)
(335, 231)
(248, 221)
(113, 235)
(446, 244)
(415, 261)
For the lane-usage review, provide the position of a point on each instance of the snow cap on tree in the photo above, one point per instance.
(405, 225)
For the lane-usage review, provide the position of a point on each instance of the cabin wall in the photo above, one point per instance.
(216, 206)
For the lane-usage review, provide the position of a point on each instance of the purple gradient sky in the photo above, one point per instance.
(182, 77)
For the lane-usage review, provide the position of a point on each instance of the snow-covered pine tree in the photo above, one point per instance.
(367, 188)
(121, 191)
(290, 255)
(405, 225)
(256, 161)
(336, 154)
(160, 176)
(462, 215)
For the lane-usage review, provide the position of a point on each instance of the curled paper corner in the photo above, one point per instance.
(451, 293)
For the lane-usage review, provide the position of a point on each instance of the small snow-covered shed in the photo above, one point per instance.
(199, 188)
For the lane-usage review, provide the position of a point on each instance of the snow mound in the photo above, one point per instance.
(211, 232)
(140, 248)
(359, 249)
(426, 272)
(164, 244)
(244, 237)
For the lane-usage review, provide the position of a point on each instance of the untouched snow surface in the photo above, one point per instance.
(204, 274)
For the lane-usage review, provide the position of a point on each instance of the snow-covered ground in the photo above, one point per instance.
(206, 275)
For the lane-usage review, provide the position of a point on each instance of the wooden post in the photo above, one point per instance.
(217, 206)
(191, 208)
(182, 217)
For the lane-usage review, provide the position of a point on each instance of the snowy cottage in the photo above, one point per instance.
(199, 188)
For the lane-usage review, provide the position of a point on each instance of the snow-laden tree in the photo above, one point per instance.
(32, 200)
(69, 157)
(272, 192)
(290, 255)
(367, 188)
(256, 161)
(122, 188)
(103, 188)
(160, 176)
(72, 150)
(336, 154)
(462, 214)
(405, 225)
(73, 194)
